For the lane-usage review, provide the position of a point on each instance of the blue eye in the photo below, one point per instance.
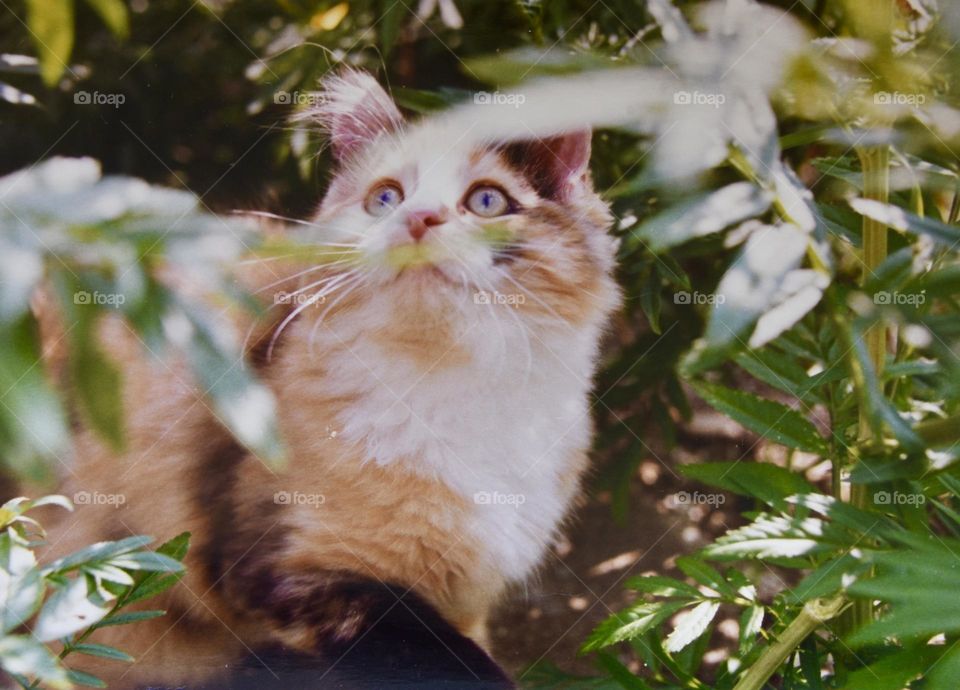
(382, 199)
(488, 201)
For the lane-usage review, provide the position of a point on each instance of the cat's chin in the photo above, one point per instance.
(426, 276)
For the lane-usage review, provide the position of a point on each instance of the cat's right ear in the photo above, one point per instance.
(353, 110)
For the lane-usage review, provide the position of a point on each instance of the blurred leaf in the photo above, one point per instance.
(21, 654)
(114, 15)
(102, 651)
(770, 483)
(130, 617)
(702, 215)
(902, 220)
(69, 609)
(51, 25)
(84, 678)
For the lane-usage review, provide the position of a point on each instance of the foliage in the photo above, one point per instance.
(754, 185)
(67, 600)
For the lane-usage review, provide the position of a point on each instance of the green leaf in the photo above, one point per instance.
(84, 678)
(892, 672)
(769, 419)
(101, 551)
(903, 220)
(703, 215)
(114, 15)
(130, 617)
(751, 622)
(51, 26)
(102, 651)
(662, 586)
(769, 483)
(620, 673)
(706, 575)
(147, 560)
(693, 624)
(391, 16)
(630, 623)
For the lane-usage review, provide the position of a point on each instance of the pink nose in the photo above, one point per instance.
(418, 222)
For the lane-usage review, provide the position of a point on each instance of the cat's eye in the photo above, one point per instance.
(383, 198)
(488, 201)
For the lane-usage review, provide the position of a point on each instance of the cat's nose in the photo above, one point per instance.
(418, 222)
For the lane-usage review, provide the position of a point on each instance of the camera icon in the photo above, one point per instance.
(882, 297)
(282, 498)
(82, 98)
(881, 498)
(683, 98)
(481, 297)
(682, 297)
(482, 498)
(82, 498)
(482, 98)
(82, 297)
(283, 98)
(883, 98)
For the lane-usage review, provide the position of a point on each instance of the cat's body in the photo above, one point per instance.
(436, 414)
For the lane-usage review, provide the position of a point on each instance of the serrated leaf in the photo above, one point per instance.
(691, 626)
(630, 623)
(751, 622)
(767, 418)
(662, 586)
(706, 575)
(770, 483)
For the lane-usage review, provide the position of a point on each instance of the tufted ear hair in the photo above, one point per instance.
(354, 110)
(555, 166)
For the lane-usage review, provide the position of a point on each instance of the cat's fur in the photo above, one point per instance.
(447, 436)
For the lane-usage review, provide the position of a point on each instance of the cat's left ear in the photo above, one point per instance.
(354, 110)
(557, 166)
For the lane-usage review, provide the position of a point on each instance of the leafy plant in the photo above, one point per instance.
(69, 599)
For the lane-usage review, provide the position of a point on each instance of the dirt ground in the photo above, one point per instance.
(581, 582)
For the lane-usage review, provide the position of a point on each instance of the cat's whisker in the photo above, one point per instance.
(304, 272)
(296, 312)
(347, 289)
(539, 301)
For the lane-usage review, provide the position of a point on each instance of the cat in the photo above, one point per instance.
(432, 386)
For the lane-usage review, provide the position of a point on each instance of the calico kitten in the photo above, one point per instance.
(433, 390)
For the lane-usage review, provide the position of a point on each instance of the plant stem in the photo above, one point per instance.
(814, 614)
(875, 162)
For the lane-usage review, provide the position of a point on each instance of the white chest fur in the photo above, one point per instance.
(503, 431)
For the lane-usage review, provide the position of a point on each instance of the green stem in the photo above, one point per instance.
(814, 614)
(875, 162)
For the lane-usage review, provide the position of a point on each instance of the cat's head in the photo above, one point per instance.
(432, 210)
